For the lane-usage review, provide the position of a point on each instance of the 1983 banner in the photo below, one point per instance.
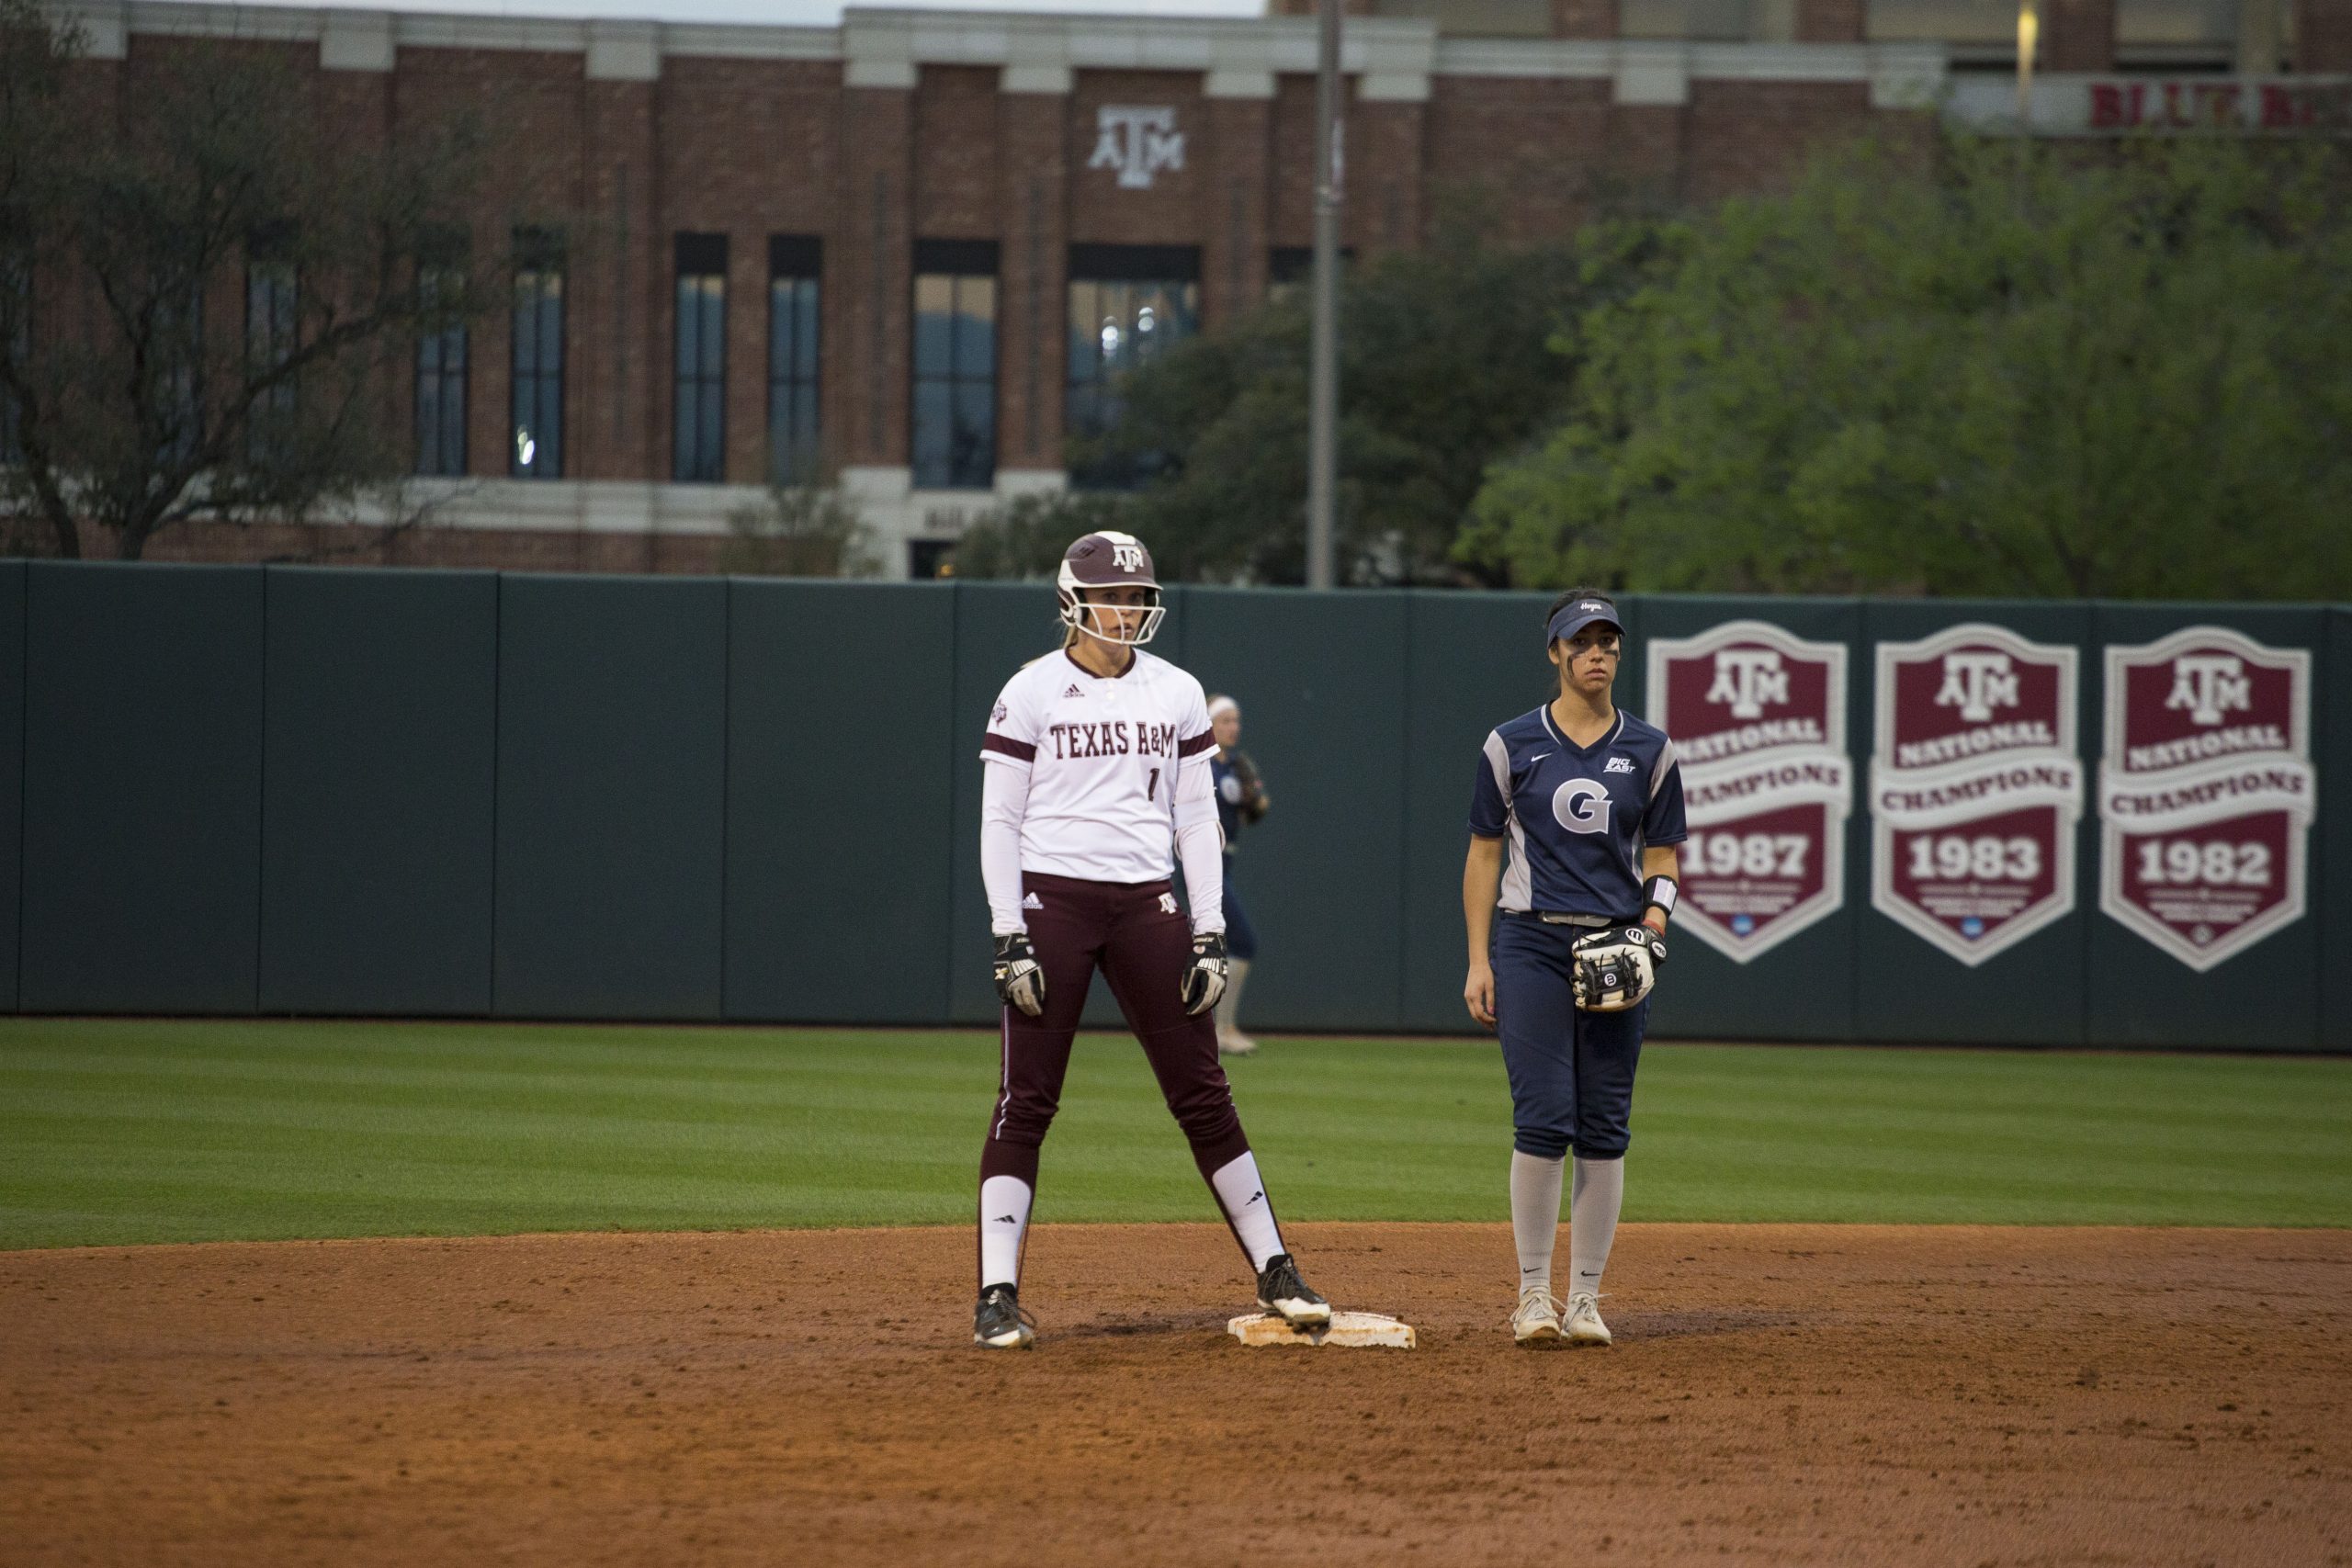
(1758, 716)
(2206, 791)
(1974, 788)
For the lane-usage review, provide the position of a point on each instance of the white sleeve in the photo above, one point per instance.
(1009, 748)
(1200, 838)
(1004, 800)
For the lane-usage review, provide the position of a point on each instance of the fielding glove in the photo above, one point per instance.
(1204, 981)
(1020, 978)
(1615, 967)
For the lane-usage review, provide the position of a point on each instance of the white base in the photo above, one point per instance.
(1348, 1328)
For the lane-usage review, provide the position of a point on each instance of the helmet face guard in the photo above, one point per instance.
(1105, 560)
(1088, 616)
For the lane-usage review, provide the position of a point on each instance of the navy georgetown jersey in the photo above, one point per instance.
(1578, 815)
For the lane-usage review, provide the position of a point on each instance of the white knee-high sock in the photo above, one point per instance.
(1534, 1216)
(1243, 1198)
(1594, 1198)
(1005, 1220)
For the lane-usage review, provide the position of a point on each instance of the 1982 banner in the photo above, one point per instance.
(1974, 788)
(2206, 791)
(1758, 716)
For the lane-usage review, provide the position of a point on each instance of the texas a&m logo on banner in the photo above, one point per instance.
(1974, 788)
(2206, 791)
(1759, 718)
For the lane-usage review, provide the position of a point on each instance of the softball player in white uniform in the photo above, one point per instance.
(1097, 778)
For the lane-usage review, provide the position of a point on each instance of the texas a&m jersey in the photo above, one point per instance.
(1106, 758)
(1578, 815)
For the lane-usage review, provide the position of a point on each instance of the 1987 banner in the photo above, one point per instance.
(1758, 716)
(2206, 791)
(1974, 788)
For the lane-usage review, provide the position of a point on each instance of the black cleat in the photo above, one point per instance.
(1283, 1293)
(999, 1323)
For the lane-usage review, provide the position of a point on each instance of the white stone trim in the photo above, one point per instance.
(356, 40)
(1231, 84)
(1395, 59)
(1653, 74)
(624, 51)
(107, 26)
(1036, 78)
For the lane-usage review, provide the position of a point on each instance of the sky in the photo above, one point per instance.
(824, 13)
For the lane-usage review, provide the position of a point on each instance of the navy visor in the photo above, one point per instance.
(1575, 616)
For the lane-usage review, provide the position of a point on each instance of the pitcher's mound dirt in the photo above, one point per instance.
(1777, 1394)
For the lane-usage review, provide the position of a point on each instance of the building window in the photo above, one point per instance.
(271, 327)
(538, 359)
(955, 364)
(441, 378)
(1290, 271)
(179, 358)
(1127, 304)
(698, 401)
(794, 268)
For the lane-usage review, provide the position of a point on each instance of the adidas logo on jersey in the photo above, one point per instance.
(1033, 902)
(1619, 765)
(1072, 690)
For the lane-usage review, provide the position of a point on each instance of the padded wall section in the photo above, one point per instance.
(1803, 987)
(2030, 993)
(1472, 661)
(839, 800)
(142, 788)
(2265, 998)
(612, 783)
(2332, 838)
(1320, 678)
(12, 769)
(378, 790)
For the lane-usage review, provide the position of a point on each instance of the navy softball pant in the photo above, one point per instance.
(1571, 1073)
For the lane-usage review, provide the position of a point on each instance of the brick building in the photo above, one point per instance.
(923, 240)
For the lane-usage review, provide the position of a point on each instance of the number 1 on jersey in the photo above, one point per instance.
(1151, 790)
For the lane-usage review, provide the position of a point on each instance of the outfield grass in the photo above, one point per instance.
(142, 1130)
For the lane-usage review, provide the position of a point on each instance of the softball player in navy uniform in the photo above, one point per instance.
(1098, 767)
(1590, 799)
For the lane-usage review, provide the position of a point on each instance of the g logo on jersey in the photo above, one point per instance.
(1581, 807)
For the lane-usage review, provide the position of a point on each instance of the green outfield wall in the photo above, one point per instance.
(282, 789)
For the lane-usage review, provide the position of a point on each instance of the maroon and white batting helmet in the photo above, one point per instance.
(1108, 560)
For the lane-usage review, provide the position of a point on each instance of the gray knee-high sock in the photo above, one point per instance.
(1594, 1198)
(1534, 1216)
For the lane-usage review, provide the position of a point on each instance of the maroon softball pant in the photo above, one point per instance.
(1135, 933)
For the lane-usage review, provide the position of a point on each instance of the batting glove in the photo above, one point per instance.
(1020, 978)
(1204, 981)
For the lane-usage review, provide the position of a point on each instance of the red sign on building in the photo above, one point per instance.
(1974, 788)
(2206, 791)
(1759, 719)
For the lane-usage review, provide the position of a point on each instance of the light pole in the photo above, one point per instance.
(1323, 371)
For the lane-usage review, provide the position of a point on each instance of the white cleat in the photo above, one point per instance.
(1236, 1044)
(1583, 1326)
(1536, 1324)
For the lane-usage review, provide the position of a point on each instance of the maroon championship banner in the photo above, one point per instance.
(1975, 789)
(2206, 791)
(1759, 721)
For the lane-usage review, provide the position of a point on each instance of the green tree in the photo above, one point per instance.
(2118, 373)
(202, 302)
(800, 530)
(1025, 538)
(1443, 370)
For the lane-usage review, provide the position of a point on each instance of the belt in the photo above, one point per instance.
(1560, 917)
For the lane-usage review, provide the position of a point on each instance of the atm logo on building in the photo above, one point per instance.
(1136, 141)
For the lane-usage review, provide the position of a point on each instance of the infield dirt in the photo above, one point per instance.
(1778, 1394)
